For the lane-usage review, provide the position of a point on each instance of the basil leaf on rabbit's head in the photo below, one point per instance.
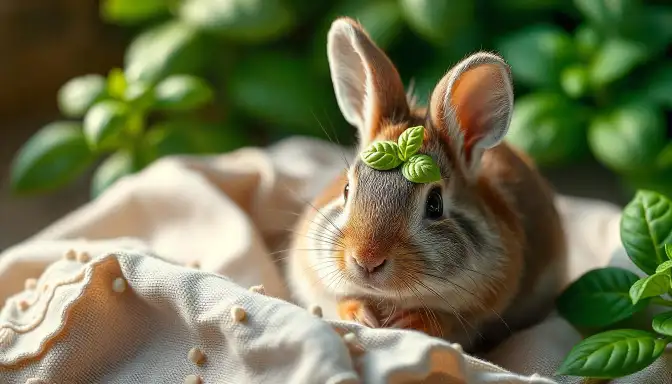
(387, 155)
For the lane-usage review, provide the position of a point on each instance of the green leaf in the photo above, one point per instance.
(549, 127)
(250, 21)
(428, 17)
(139, 96)
(537, 54)
(118, 165)
(132, 11)
(51, 158)
(646, 226)
(77, 95)
(421, 169)
(182, 92)
(651, 286)
(285, 94)
(588, 41)
(668, 251)
(116, 83)
(629, 138)
(599, 298)
(664, 158)
(613, 354)
(162, 50)
(615, 59)
(104, 123)
(607, 15)
(574, 81)
(410, 142)
(662, 323)
(665, 266)
(381, 155)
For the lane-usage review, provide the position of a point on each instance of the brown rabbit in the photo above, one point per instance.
(468, 258)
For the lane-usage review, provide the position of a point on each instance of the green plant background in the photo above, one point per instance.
(593, 81)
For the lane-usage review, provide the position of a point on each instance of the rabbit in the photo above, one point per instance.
(470, 258)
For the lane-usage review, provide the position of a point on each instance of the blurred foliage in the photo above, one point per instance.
(593, 81)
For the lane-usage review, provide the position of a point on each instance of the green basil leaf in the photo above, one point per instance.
(244, 20)
(650, 286)
(182, 92)
(574, 81)
(548, 127)
(662, 323)
(104, 123)
(599, 298)
(613, 354)
(139, 96)
(421, 169)
(608, 15)
(428, 17)
(538, 54)
(172, 47)
(132, 11)
(115, 167)
(410, 142)
(615, 59)
(628, 139)
(381, 155)
(116, 83)
(665, 266)
(646, 226)
(51, 158)
(668, 251)
(77, 95)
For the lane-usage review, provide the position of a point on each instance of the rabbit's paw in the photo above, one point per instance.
(358, 311)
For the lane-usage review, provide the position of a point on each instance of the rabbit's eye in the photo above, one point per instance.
(434, 204)
(345, 192)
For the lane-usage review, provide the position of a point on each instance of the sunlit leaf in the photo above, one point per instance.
(51, 158)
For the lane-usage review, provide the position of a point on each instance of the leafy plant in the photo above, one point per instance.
(115, 115)
(594, 91)
(606, 296)
(206, 76)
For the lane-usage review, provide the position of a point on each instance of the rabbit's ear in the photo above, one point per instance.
(473, 104)
(367, 85)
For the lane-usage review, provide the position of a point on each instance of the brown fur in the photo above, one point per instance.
(499, 184)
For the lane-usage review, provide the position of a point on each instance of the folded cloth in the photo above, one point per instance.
(149, 284)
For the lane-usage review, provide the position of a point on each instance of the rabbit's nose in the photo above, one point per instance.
(370, 265)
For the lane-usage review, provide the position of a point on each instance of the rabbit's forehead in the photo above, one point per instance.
(386, 192)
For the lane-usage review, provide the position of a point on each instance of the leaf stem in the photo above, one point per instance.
(662, 302)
